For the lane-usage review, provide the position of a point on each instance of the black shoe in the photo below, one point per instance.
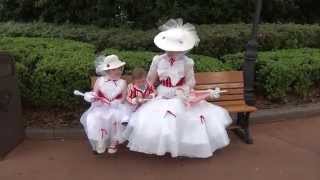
(124, 123)
(95, 152)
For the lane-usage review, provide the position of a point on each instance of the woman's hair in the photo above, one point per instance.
(99, 63)
(138, 73)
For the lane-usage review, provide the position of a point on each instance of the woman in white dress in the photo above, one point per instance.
(166, 124)
(102, 121)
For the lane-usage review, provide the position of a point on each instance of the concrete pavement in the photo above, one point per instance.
(281, 150)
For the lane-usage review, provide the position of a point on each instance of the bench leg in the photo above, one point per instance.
(243, 131)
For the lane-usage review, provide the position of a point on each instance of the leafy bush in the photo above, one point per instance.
(50, 69)
(216, 40)
(283, 72)
(148, 13)
(143, 59)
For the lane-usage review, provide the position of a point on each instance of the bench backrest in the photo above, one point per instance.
(232, 81)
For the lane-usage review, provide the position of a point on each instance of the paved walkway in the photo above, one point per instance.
(282, 150)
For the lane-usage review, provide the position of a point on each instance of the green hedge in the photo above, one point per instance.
(147, 13)
(283, 72)
(50, 69)
(216, 40)
(143, 59)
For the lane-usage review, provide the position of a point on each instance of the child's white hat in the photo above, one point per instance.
(176, 36)
(104, 63)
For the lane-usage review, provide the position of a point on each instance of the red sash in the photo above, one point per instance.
(167, 82)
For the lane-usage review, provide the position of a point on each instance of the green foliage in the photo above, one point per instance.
(216, 40)
(283, 72)
(148, 13)
(143, 59)
(50, 69)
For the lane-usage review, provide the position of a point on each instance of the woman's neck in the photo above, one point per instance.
(108, 77)
(175, 55)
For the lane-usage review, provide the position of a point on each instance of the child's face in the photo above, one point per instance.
(115, 73)
(140, 81)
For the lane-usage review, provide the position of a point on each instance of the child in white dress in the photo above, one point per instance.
(166, 124)
(102, 121)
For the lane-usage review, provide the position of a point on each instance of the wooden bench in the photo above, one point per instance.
(232, 100)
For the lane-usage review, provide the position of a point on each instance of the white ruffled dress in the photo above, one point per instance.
(102, 121)
(167, 125)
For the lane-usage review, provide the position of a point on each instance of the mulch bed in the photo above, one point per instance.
(57, 117)
(52, 118)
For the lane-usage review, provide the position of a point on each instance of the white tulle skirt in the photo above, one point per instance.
(102, 123)
(168, 126)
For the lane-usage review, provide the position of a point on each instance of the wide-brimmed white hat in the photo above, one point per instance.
(104, 63)
(176, 36)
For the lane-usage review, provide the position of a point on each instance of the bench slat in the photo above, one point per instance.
(233, 91)
(93, 80)
(229, 91)
(240, 108)
(219, 77)
(228, 98)
(222, 86)
(229, 103)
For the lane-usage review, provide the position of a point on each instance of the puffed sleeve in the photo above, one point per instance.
(91, 96)
(123, 86)
(152, 74)
(190, 79)
(153, 91)
(97, 84)
(131, 97)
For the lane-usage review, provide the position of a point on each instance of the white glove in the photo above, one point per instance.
(180, 93)
(139, 100)
(89, 96)
(134, 101)
(215, 93)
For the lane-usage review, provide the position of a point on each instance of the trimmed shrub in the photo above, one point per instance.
(147, 13)
(283, 72)
(50, 69)
(143, 59)
(216, 40)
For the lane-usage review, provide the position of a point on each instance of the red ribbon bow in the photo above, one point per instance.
(202, 119)
(169, 112)
(100, 96)
(103, 132)
(172, 60)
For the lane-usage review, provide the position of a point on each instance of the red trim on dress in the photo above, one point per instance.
(103, 132)
(202, 119)
(167, 82)
(134, 92)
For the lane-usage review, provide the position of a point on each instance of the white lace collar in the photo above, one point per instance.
(174, 71)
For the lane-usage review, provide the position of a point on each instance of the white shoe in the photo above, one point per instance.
(112, 150)
(100, 148)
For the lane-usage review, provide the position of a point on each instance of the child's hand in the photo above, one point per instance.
(139, 100)
(181, 93)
